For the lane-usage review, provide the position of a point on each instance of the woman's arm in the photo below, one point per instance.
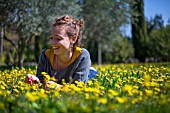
(82, 71)
(42, 66)
(39, 77)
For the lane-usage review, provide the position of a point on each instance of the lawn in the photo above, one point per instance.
(119, 88)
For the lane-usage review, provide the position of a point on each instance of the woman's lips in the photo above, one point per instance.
(56, 48)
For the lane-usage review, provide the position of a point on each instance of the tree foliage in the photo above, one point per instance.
(30, 22)
(159, 42)
(159, 39)
(154, 23)
(33, 18)
(121, 51)
(103, 19)
(139, 34)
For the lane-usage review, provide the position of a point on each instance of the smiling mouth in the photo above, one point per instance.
(56, 48)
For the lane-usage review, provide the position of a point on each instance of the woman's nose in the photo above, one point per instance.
(53, 41)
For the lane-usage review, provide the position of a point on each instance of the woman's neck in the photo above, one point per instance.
(63, 59)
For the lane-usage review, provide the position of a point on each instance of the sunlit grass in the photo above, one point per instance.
(118, 88)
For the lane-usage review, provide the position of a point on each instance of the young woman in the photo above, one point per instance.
(65, 59)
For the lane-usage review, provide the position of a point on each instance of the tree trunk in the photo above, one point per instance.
(37, 48)
(139, 31)
(20, 59)
(99, 53)
(21, 47)
(1, 43)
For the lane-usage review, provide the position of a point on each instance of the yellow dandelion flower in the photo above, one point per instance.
(8, 92)
(42, 91)
(16, 90)
(87, 96)
(96, 95)
(53, 79)
(2, 87)
(147, 83)
(20, 83)
(46, 77)
(113, 93)
(149, 92)
(79, 84)
(34, 87)
(134, 100)
(56, 94)
(157, 89)
(44, 73)
(140, 98)
(135, 91)
(140, 93)
(102, 100)
(63, 81)
(135, 87)
(31, 96)
(72, 92)
(155, 93)
(89, 82)
(154, 84)
(77, 89)
(52, 85)
(16, 95)
(117, 86)
(101, 87)
(160, 80)
(96, 90)
(121, 99)
(66, 89)
(147, 77)
(150, 70)
(42, 95)
(127, 87)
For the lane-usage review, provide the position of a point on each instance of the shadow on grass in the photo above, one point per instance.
(11, 67)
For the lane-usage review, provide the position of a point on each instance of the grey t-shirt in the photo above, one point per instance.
(76, 71)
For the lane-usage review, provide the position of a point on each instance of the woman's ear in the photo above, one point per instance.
(74, 39)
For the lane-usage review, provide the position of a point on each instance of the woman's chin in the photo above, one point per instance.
(56, 52)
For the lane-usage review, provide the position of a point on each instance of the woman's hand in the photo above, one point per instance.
(52, 84)
(31, 79)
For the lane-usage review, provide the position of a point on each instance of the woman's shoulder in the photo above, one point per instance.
(80, 52)
(44, 53)
(85, 52)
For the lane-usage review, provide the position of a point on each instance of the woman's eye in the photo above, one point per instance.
(58, 39)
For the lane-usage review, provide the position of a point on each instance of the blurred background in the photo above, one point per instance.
(116, 31)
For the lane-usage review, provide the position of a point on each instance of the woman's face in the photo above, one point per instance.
(59, 40)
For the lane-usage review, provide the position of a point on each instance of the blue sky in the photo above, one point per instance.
(153, 7)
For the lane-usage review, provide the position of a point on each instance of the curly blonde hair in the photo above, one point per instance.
(74, 27)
